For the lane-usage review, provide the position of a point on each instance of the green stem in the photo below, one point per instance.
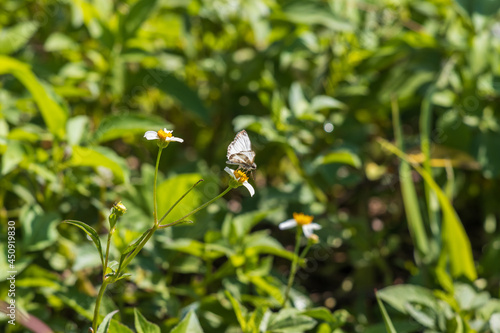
(107, 254)
(98, 304)
(295, 262)
(196, 210)
(155, 205)
(136, 250)
(304, 252)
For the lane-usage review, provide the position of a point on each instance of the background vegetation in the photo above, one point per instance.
(317, 85)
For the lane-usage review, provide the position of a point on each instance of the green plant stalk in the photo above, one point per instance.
(295, 262)
(456, 242)
(98, 304)
(415, 222)
(155, 205)
(425, 139)
(110, 234)
(389, 327)
(181, 220)
(137, 249)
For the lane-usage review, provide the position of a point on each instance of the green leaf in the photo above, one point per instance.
(77, 126)
(325, 102)
(39, 228)
(256, 318)
(136, 16)
(297, 101)
(144, 326)
(239, 311)
(400, 295)
(482, 7)
(103, 328)
(339, 156)
(14, 155)
(260, 243)
(92, 234)
(189, 324)
(14, 38)
(290, 321)
(268, 288)
(58, 41)
(117, 327)
(241, 224)
(387, 320)
(133, 246)
(172, 189)
(456, 243)
(82, 304)
(408, 192)
(187, 245)
(98, 157)
(335, 320)
(53, 114)
(179, 90)
(123, 125)
(495, 323)
(314, 13)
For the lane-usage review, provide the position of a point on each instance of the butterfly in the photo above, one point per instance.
(240, 153)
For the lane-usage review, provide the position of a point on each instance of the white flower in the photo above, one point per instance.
(303, 220)
(240, 178)
(162, 135)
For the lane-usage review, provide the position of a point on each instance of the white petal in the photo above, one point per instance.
(288, 224)
(314, 226)
(230, 172)
(151, 135)
(249, 188)
(307, 231)
(166, 131)
(309, 228)
(173, 138)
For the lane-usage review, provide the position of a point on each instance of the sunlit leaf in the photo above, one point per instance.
(105, 324)
(189, 324)
(142, 325)
(123, 125)
(92, 234)
(341, 156)
(456, 243)
(98, 157)
(53, 114)
(290, 320)
(14, 38)
(138, 13)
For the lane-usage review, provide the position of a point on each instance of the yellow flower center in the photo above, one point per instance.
(302, 219)
(164, 135)
(240, 176)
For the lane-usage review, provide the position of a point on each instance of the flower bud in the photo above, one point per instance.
(313, 239)
(117, 210)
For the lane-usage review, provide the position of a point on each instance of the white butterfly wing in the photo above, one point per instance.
(243, 158)
(241, 143)
(239, 152)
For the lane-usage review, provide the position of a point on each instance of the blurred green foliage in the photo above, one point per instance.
(314, 83)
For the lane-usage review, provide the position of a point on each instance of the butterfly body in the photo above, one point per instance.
(240, 153)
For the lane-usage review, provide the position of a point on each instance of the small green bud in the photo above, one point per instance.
(117, 210)
(313, 239)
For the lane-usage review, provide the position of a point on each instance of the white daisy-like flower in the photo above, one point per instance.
(240, 178)
(305, 221)
(162, 135)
